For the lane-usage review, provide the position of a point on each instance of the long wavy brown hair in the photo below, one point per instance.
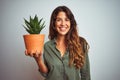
(72, 39)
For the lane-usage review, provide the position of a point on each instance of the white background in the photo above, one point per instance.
(98, 22)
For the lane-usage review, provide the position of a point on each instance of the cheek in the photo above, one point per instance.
(57, 24)
(69, 24)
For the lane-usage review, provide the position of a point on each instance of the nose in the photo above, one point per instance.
(63, 22)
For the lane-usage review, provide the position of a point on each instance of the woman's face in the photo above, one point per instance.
(62, 24)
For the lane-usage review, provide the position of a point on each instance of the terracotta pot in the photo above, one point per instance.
(34, 42)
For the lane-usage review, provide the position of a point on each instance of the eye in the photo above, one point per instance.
(67, 19)
(58, 19)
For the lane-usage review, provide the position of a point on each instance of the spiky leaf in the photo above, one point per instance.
(34, 26)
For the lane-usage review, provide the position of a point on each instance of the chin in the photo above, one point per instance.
(63, 34)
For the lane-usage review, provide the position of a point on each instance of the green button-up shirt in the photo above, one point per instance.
(59, 66)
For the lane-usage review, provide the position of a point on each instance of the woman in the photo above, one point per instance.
(65, 54)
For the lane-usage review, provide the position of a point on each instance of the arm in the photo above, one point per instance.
(38, 58)
(42, 63)
(42, 67)
(85, 70)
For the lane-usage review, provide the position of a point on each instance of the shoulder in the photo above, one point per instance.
(84, 44)
(49, 43)
(82, 41)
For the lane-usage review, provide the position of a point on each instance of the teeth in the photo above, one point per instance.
(62, 28)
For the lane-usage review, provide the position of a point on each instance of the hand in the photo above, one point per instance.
(33, 54)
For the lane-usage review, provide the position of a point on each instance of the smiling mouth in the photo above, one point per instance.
(62, 28)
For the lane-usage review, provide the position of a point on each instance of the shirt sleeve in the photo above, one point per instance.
(85, 70)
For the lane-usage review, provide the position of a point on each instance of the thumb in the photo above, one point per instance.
(26, 52)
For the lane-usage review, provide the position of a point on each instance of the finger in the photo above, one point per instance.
(26, 52)
(37, 54)
(40, 54)
(31, 53)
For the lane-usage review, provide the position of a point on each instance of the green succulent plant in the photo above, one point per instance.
(34, 26)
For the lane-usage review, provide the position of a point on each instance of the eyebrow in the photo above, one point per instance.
(60, 18)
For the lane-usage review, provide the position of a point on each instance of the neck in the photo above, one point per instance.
(60, 40)
(60, 44)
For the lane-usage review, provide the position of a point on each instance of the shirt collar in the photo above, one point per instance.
(54, 42)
